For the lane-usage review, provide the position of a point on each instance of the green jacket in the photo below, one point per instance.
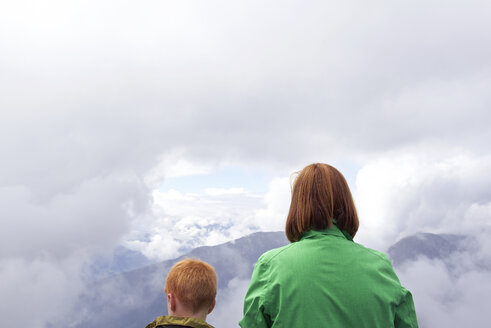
(326, 280)
(174, 321)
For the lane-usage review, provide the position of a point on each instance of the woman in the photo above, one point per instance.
(323, 278)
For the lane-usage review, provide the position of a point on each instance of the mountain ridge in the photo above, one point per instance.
(134, 298)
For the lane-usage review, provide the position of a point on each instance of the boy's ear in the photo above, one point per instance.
(212, 306)
(171, 302)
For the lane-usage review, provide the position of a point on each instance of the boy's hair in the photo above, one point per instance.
(193, 282)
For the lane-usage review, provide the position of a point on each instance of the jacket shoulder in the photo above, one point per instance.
(273, 253)
(373, 252)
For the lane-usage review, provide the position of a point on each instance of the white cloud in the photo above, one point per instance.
(414, 190)
(46, 244)
(92, 216)
(187, 220)
(37, 291)
(174, 165)
(451, 293)
(272, 217)
(99, 96)
(188, 77)
(223, 191)
(228, 310)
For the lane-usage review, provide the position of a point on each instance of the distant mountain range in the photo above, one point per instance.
(134, 298)
(429, 245)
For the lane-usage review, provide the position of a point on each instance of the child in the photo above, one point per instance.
(191, 288)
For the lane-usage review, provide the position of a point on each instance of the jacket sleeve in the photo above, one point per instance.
(255, 309)
(405, 314)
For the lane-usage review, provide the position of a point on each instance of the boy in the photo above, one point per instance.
(191, 288)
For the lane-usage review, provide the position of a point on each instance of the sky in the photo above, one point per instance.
(166, 125)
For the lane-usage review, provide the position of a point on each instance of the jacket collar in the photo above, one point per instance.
(332, 231)
(183, 321)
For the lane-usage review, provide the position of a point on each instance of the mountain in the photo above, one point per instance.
(122, 260)
(429, 245)
(134, 298)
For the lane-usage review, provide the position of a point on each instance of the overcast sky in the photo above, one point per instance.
(165, 125)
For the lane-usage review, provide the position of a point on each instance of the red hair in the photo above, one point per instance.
(193, 282)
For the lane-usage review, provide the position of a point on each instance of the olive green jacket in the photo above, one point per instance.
(174, 321)
(326, 280)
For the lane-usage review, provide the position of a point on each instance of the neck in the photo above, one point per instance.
(177, 308)
(185, 313)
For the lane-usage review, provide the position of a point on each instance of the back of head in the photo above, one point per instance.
(193, 282)
(320, 193)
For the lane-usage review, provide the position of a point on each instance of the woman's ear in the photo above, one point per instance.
(212, 306)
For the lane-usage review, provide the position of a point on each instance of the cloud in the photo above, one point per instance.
(451, 292)
(228, 310)
(101, 100)
(174, 164)
(272, 217)
(46, 245)
(329, 80)
(415, 190)
(432, 190)
(223, 191)
(39, 290)
(187, 220)
(92, 215)
(184, 220)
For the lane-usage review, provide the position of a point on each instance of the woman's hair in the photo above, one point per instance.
(193, 282)
(320, 193)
